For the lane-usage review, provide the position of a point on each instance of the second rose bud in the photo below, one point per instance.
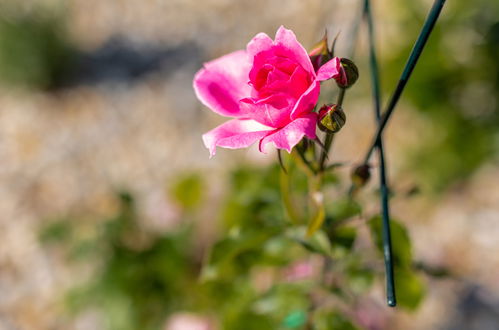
(331, 118)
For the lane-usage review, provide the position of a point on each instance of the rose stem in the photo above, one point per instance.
(287, 199)
(387, 241)
(329, 136)
(351, 48)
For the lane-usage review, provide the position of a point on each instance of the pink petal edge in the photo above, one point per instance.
(261, 42)
(287, 39)
(330, 69)
(289, 136)
(307, 100)
(235, 134)
(272, 111)
(221, 83)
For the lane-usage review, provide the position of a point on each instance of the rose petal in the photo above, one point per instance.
(330, 69)
(307, 100)
(234, 134)
(287, 39)
(272, 111)
(223, 82)
(261, 42)
(293, 85)
(298, 82)
(289, 136)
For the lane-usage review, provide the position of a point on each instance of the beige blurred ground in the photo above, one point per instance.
(65, 152)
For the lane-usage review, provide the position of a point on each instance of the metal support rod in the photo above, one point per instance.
(387, 241)
(406, 74)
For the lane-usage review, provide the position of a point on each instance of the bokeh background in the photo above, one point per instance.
(108, 201)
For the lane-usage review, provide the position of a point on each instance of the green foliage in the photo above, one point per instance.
(408, 284)
(410, 287)
(56, 232)
(34, 51)
(343, 236)
(295, 319)
(327, 320)
(359, 278)
(285, 302)
(188, 191)
(317, 243)
(237, 253)
(254, 200)
(141, 278)
(254, 225)
(343, 209)
(401, 244)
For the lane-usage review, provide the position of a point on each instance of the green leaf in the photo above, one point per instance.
(343, 209)
(329, 177)
(188, 191)
(285, 302)
(401, 243)
(295, 319)
(358, 277)
(287, 198)
(253, 200)
(232, 250)
(342, 240)
(326, 319)
(279, 251)
(317, 243)
(316, 221)
(409, 287)
(34, 50)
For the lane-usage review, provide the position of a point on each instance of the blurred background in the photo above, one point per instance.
(109, 203)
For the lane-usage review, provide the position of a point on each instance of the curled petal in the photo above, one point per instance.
(330, 69)
(234, 134)
(286, 39)
(272, 111)
(289, 136)
(223, 82)
(307, 100)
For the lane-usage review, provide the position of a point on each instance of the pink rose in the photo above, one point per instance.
(270, 89)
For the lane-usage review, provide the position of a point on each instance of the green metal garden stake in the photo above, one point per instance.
(409, 67)
(387, 240)
(382, 121)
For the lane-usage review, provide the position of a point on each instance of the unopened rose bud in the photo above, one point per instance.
(349, 75)
(331, 118)
(361, 175)
(320, 53)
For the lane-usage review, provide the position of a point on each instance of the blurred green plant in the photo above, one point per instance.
(187, 191)
(141, 278)
(34, 49)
